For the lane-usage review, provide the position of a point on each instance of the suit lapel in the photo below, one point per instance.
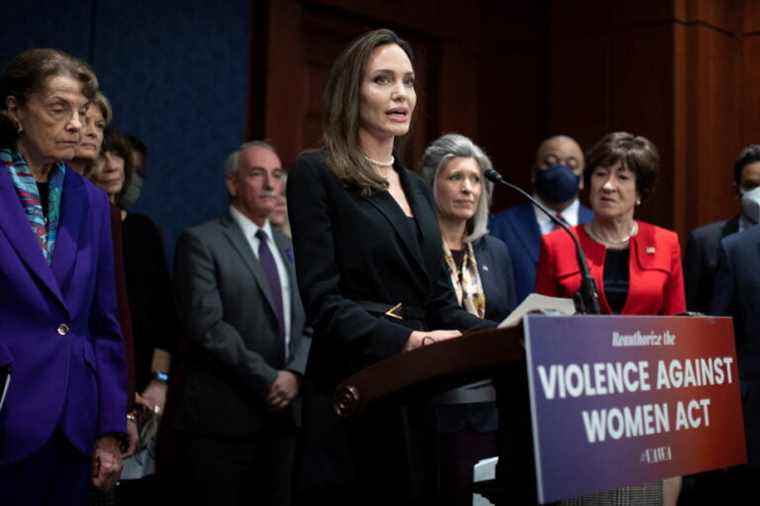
(286, 253)
(584, 214)
(387, 206)
(74, 207)
(19, 233)
(527, 230)
(595, 256)
(731, 227)
(426, 222)
(241, 245)
(296, 313)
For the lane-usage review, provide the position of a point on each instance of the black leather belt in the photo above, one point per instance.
(398, 311)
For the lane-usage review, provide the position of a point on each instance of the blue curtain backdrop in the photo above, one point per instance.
(176, 74)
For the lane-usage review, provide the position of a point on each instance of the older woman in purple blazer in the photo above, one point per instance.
(64, 413)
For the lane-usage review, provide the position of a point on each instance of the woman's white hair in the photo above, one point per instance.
(437, 156)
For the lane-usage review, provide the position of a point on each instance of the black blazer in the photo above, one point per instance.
(495, 268)
(701, 262)
(352, 248)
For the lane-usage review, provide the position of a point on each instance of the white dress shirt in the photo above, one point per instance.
(569, 214)
(249, 229)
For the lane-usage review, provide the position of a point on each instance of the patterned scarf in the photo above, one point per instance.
(466, 281)
(46, 230)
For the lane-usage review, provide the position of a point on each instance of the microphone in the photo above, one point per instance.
(587, 298)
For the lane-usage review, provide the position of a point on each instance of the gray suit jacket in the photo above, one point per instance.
(234, 347)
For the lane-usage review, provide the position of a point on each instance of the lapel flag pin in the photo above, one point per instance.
(650, 250)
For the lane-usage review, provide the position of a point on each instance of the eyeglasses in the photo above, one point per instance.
(61, 109)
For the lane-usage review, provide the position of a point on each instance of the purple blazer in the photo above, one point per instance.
(58, 325)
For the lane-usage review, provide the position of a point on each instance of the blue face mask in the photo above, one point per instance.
(556, 184)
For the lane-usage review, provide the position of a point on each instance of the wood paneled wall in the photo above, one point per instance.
(513, 84)
(508, 74)
(480, 71)
(304, 38)
(676, 72)
(748, 85)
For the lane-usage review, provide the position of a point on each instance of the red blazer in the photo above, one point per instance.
(656, 285)
(122, 303)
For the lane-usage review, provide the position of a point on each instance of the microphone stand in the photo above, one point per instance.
(587, 298)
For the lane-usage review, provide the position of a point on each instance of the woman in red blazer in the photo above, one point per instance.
(655, 284)
(636, 265)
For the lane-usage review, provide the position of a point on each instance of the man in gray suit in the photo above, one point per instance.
(239, 303)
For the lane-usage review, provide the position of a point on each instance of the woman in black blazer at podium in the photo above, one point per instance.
(480, 268)
(371, 275)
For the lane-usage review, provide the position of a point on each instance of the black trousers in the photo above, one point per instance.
(372, 459)
(515, 472)
(232, 471)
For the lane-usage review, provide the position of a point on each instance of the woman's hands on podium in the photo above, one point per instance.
(419, 338)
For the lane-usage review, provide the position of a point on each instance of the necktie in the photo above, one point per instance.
(273, 278)
(561, 219)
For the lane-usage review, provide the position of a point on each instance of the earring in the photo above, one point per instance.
(638, 202)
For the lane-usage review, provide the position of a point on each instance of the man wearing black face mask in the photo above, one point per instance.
(701, 259)
(557, 181)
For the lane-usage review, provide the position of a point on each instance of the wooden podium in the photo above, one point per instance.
(431, 369)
